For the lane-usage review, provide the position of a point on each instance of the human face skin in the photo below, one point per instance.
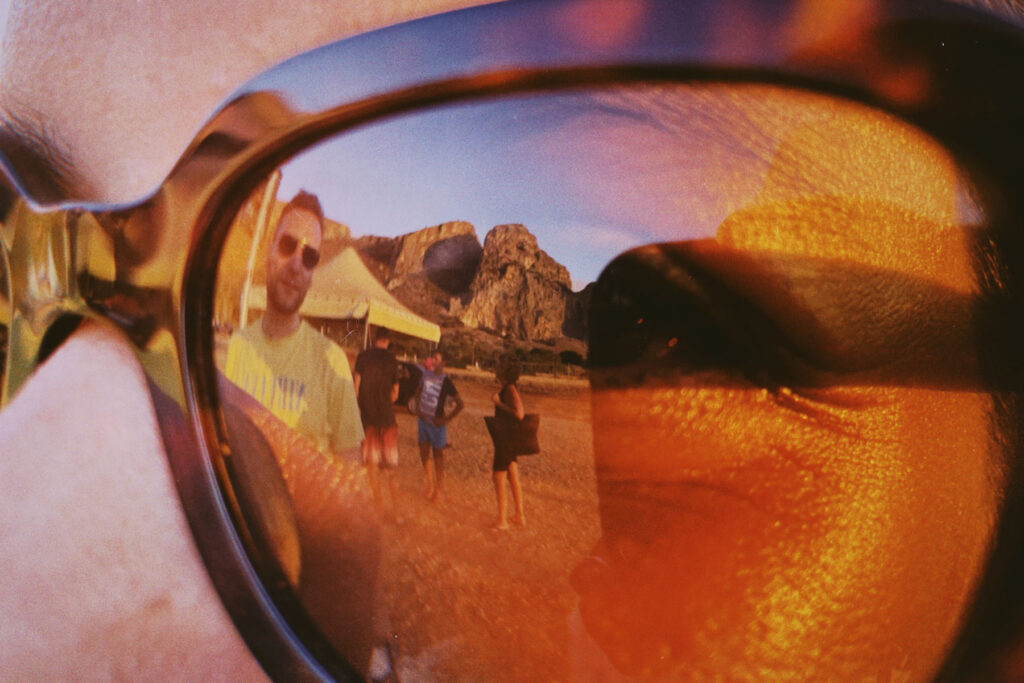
(288, 279)
(103, 578)
(824, 513)
(131, 90)
(146, 107)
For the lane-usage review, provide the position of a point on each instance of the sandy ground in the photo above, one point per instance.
(468, 603)
(474, 604)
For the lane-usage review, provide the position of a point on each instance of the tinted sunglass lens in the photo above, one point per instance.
(763, 339)
(286, 245)
(310, 257)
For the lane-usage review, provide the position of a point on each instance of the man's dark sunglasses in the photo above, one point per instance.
(948, 71)
(287, 244)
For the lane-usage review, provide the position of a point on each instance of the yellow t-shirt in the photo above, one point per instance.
(303, 379)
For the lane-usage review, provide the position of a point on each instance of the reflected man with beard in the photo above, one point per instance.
(299, 375)
(303, 379)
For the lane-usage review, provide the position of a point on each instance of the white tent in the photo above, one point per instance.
(343, 288)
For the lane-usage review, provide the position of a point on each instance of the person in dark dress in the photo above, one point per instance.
(508, 406)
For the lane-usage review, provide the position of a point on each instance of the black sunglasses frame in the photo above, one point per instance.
(163, 302)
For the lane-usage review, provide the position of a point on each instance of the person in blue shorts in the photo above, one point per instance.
(436, 387)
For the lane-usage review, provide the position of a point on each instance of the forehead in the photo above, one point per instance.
(300, 224)
(148, 106)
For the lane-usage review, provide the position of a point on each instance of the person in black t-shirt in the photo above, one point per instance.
(376, 383)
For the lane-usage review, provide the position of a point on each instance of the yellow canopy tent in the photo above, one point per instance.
(343, 288)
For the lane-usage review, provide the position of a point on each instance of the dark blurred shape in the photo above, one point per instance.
(408, 383)
(451, 263)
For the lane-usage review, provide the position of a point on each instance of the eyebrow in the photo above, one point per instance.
(37, 155)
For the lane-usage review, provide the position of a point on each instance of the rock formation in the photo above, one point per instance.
(518, 290)
(447, 254)
(508, 287)
(577, 313)
(426, 268)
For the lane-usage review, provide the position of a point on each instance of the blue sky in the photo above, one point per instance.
(530, 160)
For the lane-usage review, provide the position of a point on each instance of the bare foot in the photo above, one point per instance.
(520, 520)
(499, 526)
(431, 494)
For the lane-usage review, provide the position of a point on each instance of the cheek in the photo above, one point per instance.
(948, 506)
(743, 536)
(273, 267)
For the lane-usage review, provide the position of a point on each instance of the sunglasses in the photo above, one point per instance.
(758, 201)
(287, 244)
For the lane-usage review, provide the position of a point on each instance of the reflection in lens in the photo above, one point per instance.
(778, 464)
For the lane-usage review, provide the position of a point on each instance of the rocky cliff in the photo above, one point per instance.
(518, 290)
(427, 268)
(508, 286)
